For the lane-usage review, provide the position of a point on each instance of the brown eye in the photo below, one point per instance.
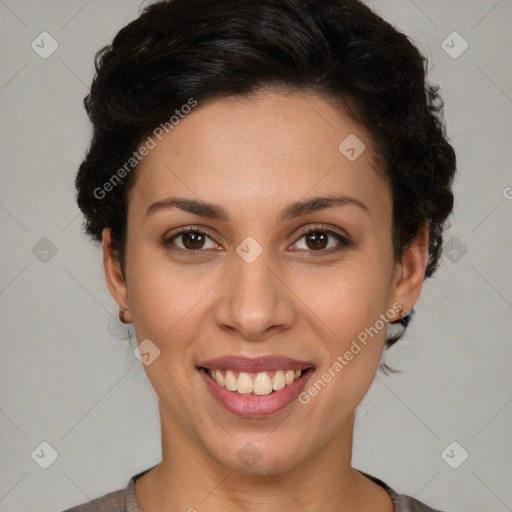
(193, 240)
(190, 241)
(317, 239)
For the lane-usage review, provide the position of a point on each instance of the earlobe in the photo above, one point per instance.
(411, 273)
(114, 276)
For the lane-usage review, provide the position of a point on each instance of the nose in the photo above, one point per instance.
(254, 299)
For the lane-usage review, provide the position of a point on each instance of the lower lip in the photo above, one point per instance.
(252, 406)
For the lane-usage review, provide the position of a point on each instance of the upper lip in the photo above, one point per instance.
(254, 364)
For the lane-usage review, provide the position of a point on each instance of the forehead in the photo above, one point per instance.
(265, 150)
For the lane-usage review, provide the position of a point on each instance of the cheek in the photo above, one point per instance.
(349, 297)
(159, 294)
(166, 302)
(350, 313)
(347, 305)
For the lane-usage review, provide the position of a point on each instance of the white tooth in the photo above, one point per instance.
(230, 381)
(219, 377)
(262, 384)
(278, 380)
(244, 384)
(297, 374)
(289, 377)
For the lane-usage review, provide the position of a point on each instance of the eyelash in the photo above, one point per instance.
(343, 241)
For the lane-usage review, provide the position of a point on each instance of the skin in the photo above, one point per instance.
(254, 157)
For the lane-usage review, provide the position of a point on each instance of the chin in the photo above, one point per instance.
(260, 454)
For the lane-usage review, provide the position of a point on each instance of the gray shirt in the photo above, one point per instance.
(124, 500)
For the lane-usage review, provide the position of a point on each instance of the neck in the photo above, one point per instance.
(189, 479)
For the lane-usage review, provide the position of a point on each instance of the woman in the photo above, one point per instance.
(270, 181)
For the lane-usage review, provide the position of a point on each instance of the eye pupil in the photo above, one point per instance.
(319, 239)
(197, 240)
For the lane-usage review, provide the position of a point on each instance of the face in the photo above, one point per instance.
(267, 282)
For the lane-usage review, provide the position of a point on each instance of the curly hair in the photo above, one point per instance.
(207, 49)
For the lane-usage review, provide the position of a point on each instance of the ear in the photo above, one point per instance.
(113, 274)
(410, 273)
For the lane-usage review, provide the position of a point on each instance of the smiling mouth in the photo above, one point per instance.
(256, 383)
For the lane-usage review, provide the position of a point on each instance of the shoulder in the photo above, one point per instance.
(111, 502)
(405, 503)
(401, 502)
(123, 500)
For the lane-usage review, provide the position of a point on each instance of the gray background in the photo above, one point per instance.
(70, 379)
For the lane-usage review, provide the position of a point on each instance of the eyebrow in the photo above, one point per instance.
(213, 211)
